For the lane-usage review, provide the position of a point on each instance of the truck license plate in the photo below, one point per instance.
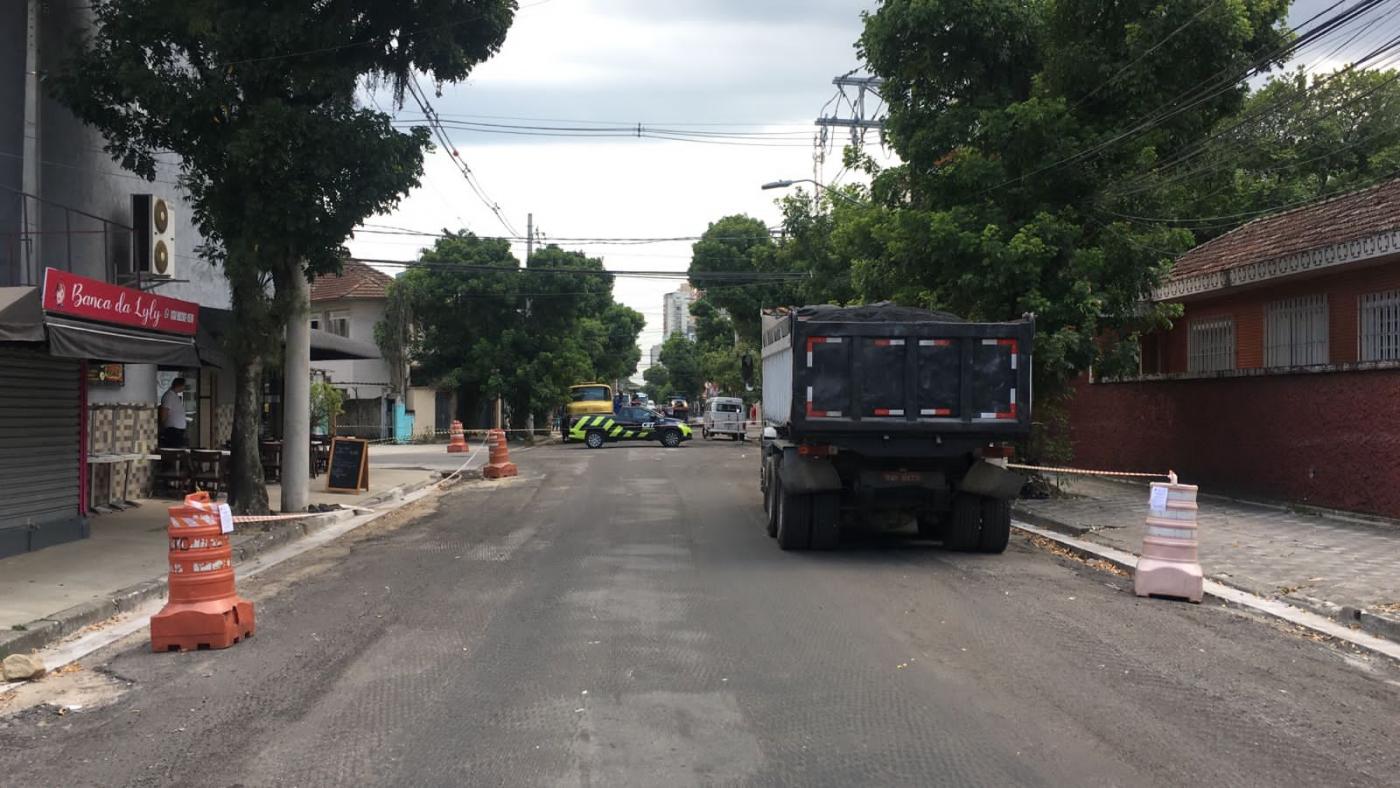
(902, 477)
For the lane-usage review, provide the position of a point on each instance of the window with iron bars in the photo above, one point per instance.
(1295, 332)
(1378, 324)
(1211, 345)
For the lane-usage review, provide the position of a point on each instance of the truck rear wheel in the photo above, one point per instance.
(965, 523)
(770, 507)
(996, 526)
(794, 520)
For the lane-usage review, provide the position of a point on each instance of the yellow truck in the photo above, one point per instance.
(587, 399)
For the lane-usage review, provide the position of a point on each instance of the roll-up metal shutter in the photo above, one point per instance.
(40, 401)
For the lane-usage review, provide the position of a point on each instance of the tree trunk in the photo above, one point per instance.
(247, 490)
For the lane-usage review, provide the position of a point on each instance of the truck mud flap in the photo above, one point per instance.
(803, 477)
(991, 481)
(826, 513)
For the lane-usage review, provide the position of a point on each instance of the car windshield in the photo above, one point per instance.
(589, 394)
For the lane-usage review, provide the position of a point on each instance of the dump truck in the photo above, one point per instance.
(890, 415)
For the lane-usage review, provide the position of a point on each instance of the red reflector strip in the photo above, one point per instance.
(889, 412)
(1009, 415)
(889, 343)
(936, 412)
(935, 342)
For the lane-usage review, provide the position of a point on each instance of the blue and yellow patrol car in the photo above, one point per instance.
(630, 423)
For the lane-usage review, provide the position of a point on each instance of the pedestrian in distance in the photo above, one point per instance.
(172, 416)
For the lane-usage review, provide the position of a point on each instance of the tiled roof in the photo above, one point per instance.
(357, 281)
(1336, 220)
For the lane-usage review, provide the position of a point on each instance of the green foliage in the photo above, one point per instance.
(1296, 140)
(326, 403)
(742, 244)
(658, 381)
(487, 329)
(681, 358)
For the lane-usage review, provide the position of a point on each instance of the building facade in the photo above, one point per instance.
(675, 316)
(1281, 379)
(378, 403)
(76, 390)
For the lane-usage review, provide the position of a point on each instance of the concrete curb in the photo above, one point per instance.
(45, 631)
(1377, 624)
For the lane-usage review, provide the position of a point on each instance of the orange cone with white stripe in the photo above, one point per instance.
(1170, 565)
(204, 610)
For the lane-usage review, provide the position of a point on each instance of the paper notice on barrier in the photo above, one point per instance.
(225, 519)
(1158, 502)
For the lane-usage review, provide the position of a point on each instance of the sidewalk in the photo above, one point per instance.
(1348, 570)
(50, 593)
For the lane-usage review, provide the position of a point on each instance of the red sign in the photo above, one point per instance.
(93, 299)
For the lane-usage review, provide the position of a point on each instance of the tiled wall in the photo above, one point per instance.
(121, 428)
(223, 424)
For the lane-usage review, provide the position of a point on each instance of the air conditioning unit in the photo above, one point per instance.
(154, 250)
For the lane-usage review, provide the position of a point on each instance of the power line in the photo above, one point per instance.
(436, 125)
(716, 276)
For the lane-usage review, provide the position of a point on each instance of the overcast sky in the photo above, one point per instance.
(696, 65)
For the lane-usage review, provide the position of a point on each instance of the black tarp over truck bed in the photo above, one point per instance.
(885, 369)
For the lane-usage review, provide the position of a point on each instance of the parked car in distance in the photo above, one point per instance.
(724, 416)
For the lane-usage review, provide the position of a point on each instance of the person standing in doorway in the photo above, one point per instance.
(172, 416)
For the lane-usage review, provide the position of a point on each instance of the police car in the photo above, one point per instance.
(630, 423)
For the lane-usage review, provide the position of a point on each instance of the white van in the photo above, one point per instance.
(724, 416)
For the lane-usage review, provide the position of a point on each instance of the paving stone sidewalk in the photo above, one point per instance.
(1316, 561)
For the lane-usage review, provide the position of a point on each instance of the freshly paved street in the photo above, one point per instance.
(619, 617)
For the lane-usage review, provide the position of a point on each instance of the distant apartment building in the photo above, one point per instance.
(654, 356)
(675, 318)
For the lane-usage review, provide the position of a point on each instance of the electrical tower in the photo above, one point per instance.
(851, 94)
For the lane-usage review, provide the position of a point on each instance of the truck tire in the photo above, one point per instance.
(996, 526)
(595, 439)
(770, 507)
(794, 520)
(826, 521)
(964, 524)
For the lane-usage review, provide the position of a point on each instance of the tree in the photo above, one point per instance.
(1014, 120)
(489, 328)
(681, 358)
(1296, 140)
(279, 160)
(658, 382)
(739, 244)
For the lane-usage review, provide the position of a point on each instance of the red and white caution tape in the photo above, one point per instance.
(1169, 475)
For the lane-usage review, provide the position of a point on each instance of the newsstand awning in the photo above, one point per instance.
(77, 339)
(22, 319)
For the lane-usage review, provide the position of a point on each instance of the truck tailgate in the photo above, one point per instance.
(945, 376)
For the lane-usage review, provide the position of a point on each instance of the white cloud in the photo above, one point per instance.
(609, 60)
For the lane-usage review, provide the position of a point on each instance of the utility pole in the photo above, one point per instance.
(296, 400)
(529, 237)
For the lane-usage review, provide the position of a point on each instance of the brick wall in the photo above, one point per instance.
(1328, 439)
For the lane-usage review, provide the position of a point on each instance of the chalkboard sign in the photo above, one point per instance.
(349, 468)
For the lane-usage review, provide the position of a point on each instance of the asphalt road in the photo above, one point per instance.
(618, 617)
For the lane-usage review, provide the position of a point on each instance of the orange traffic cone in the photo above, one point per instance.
(458, 444)
(204, 610)
(500, 465)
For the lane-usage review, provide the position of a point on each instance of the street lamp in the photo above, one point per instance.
(783, 184)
